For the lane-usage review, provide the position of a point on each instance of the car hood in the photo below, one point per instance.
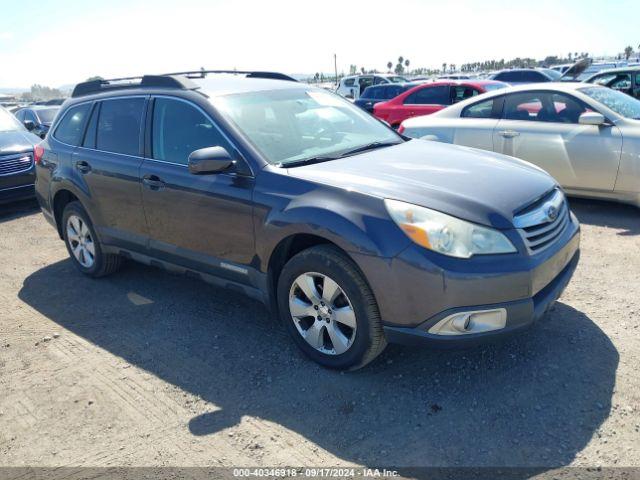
(479, 186)
(15, 141)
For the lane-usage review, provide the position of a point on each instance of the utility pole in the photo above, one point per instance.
(335, 66)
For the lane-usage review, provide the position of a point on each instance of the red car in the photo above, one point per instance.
(428, 98)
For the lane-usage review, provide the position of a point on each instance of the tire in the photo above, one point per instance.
(76, 229)
(311, 268)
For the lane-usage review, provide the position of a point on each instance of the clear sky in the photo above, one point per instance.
(65, 41)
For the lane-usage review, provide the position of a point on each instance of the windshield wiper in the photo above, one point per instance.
(368, 146)
(307, 161)
(326, 158)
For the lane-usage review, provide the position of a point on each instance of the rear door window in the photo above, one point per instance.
(429, 96)
(119, 125)
(71, 127)
(179, 129)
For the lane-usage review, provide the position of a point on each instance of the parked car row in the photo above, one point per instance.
(353, 234)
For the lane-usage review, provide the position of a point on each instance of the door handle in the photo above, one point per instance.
(152, 182)
(83, 166)
(509, 133)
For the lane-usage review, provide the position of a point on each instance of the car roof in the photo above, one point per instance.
(632, 68)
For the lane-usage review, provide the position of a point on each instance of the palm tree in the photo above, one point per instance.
(444, 68)
(389, 65)
(406, 63)
(628, 51)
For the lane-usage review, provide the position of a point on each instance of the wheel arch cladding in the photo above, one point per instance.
(60, 200)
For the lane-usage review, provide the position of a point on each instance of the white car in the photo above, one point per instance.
(586, 136)
(353, 86)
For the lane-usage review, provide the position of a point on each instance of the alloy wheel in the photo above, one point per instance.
(322, 313)
(80, 241)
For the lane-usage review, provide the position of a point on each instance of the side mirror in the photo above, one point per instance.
(592, 118)
(209, 160)
(29, 125)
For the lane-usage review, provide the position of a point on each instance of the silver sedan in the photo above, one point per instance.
(586, 136)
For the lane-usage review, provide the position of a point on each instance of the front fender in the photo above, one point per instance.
(355, 222)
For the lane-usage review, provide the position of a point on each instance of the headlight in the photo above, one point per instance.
(446, 234)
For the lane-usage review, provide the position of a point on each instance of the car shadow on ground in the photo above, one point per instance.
(535, 400)
(14, 210)
(607, 214)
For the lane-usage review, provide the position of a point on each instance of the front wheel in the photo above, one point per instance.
(329, 309)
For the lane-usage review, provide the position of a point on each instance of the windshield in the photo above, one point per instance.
(8, 122)
(397, 79)
(294, 125)
(619, 102)
(46, 115)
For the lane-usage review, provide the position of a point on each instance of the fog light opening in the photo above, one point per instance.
(465, 323)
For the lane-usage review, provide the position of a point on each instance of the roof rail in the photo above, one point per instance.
(247, 73)
(158, 81)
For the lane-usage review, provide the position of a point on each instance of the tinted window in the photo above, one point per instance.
(428, 96)
(71, 128)
(119, 126)
(392, 92)
(46, 115)
(349, 82)
(479, 110)
(523, 106)
(543, 107)
(461, 92)
(179, 129)
(522, 76)
(29, 115)
(372, 92)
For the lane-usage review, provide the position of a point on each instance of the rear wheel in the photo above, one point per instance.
(83, 245)
(329, 309)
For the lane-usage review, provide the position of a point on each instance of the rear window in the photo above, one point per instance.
(521, 76)
(71, 127)
(119, 125)
(429, 96)
(46, 115)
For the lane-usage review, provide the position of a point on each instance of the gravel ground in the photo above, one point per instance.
(145, 368)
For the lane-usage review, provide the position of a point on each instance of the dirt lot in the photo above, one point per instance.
(147, 368)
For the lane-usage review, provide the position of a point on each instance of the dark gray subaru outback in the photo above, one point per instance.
(354, 235)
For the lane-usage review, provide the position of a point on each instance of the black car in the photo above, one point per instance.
(17, 175)
(37, 119)
(519, 76)
(626, 80)
(381, 93)
(354, 235)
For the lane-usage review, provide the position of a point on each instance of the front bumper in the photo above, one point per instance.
(520, 314)
(14, 194)
(418, 288)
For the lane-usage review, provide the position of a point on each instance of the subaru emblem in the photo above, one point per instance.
(552, 212)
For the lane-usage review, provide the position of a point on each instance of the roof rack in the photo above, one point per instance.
(179, 80)
(158, 81)
(247, 73)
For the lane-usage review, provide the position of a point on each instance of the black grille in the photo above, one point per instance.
(537, 227)
(16, 163)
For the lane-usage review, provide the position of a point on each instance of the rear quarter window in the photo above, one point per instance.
(71, 127)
